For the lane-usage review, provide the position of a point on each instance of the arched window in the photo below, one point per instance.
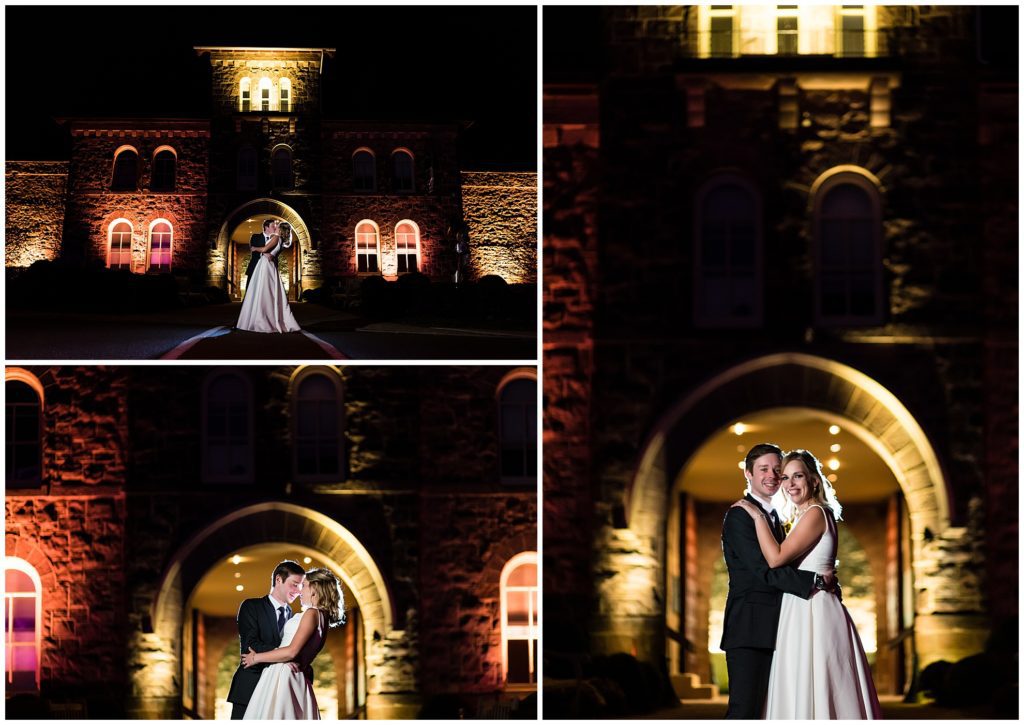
(120, 250)
(24, 434)
(285, 90)
(848, 250)
(728, 282)
(519, 619)
(246, 168)
(23, 610)
(403, 170)
(367, 247)
(517, 428)
(126, 170)
(164, 169)
(160, 238)
(407, 246)
(245, 95)
(364, 170)
(281, 163)
(317, 426)
(265, 88)
(227, 428)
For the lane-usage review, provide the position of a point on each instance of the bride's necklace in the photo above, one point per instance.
(801, 512)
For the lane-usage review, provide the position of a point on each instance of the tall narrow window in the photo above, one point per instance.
(367, 248)
(265, 88)
(285, 91)
(164, 171)
(722, 31)
(160, 234)
(848, 251)
(120, 254)
(407, 246)
(126, 170)
(851, 32)
(22, 625)
(317, 428)
(246, 168)
(728, 254)
(518, 430)
(24, 448)
(403, 170)
(519, 619)
(282, 168)
(787, 30)
(364, 171)
(228, 429)
(245, 95)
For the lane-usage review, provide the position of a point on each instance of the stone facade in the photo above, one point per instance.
(619, 230)
(500, 210)
(212, 199)
(123, 472)
(35, 196)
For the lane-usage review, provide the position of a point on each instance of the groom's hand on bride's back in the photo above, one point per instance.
(832, 583)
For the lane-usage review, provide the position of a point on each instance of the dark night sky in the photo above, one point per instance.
(474, 64)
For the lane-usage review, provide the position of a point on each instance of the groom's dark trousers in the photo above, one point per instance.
(752, 612)
(257, 629)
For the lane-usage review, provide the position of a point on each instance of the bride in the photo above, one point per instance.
(282, 692)
(819, 670)
(265, 307)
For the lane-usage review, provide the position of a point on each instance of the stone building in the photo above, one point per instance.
(143, 504)
(762, 221)
(184, 196)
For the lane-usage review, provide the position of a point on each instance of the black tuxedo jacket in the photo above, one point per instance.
(755, 589)
(257, 240)
(257, 628)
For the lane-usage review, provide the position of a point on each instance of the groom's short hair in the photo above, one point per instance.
(761, 449)
(284, 570)
(267, 223)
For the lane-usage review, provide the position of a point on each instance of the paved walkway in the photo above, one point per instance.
(893, 708)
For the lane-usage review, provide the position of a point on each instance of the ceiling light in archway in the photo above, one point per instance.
(741, 465)
(833, 429)
(836, 448)
(833, 477)
(739, 429)
(236, 560)
(833, 464)
(307, 560)
(239, 588)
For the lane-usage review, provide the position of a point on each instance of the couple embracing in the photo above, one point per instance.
(265, 307)
(792, 650)
(275, 678)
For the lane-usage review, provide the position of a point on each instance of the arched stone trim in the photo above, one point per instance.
(498, 557)
(26, 376)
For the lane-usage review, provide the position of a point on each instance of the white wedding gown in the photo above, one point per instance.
(282, 694)
(819, 671)
(265, 307)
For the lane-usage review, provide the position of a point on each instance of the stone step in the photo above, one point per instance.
(688, 686)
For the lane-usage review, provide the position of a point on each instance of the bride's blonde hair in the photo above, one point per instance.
(821, 489)
(329, 598)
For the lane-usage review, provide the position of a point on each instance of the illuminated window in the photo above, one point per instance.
(851, 33)
(24, 434)
(160, 234)
(317, 427)
(728, 254)
(519, 619)
(228, 428)
(517, 429)
(285, 92)
(120, 254)
(367, 247)
(848, 254)
(246, 168)
(281, 163)
(403, 169)
(722, 31)
(245, 95)
(787, 30)
(22, 625)
(265, 88)
(164, 171)
(364, 171)
(407, 246)
(126, 170)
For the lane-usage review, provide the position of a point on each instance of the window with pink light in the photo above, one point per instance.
(160, 247)
(367, 248)
(22, 620)
(407, 247)
(520, 619)
(120, 246)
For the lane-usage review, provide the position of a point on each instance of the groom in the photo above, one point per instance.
(258, 244)
(260, 622)
(755, 589)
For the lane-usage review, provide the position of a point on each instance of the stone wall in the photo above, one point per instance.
(500, 211)
(35, 198)
(302, 69)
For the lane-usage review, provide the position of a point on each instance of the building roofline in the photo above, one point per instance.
(248, 49)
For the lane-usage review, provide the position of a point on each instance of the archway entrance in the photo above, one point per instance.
(180, 667)
(233, 243)
(634, 592)
(873, 562)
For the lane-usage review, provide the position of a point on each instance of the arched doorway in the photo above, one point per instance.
(170, 665)
(634, 588)
(232, 246)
